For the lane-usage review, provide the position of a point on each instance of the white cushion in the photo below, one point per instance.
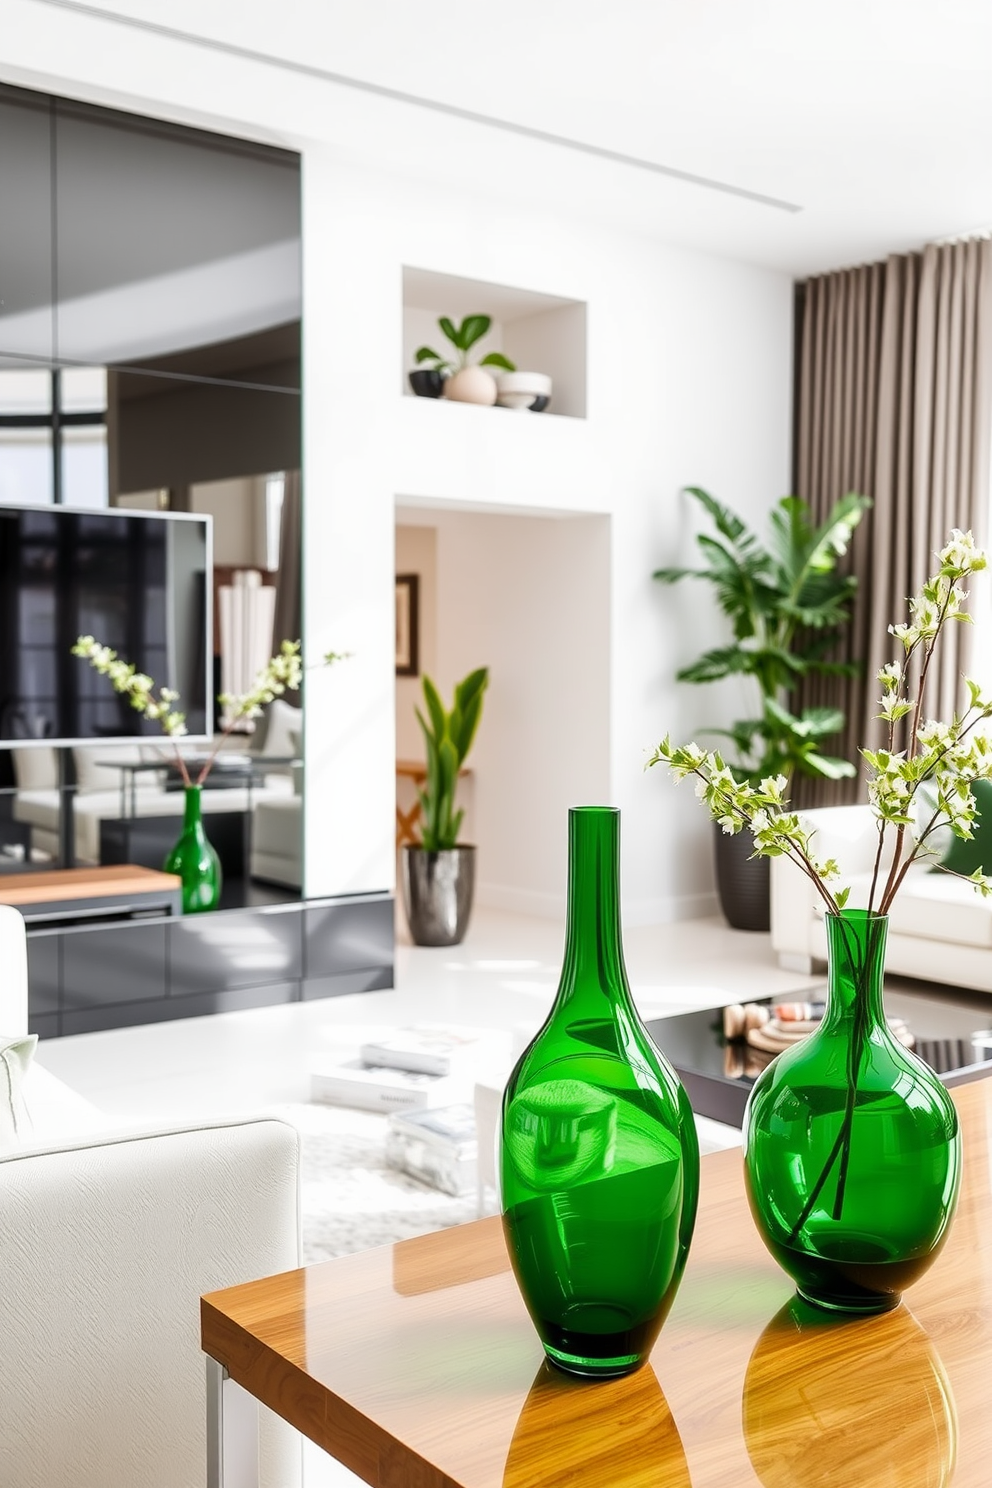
(278, 827)
(282, 722)
(16, 1053)
(938, 906)
(14, 978)
(931, 906)
(36, 769)
(95, 766)
(39, 808)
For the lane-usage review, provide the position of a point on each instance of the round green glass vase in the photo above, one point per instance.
(852, 1150)
(194, 859)
(599, 1160)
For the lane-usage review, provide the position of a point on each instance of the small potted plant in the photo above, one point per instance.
(438, 873)
(453, 375)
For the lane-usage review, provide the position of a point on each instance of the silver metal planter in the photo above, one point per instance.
(437, 893)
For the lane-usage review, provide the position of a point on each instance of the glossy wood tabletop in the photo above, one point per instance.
(84, 883)
(417, 1366)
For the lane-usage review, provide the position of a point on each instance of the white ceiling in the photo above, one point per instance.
(873, 116)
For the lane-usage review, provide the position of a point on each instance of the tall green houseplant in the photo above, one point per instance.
(448, 736)
(787, 605)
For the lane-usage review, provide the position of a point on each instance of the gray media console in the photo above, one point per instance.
(90, 974)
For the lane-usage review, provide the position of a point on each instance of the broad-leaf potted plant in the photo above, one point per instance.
(786, 603)
(451, 373)
(438, 873)
(852, 1149)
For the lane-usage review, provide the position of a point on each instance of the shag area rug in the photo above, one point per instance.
(351, 1200)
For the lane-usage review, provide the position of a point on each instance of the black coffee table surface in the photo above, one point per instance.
(718, 1074)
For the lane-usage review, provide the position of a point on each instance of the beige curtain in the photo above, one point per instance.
(894, 390)
(288, 615)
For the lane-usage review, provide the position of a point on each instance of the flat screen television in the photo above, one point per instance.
(139, 582)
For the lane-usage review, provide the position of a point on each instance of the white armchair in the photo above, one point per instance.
(940, 929)
(109, 1238)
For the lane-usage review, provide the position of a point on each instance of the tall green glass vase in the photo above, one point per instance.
(852, 1152)
(599, 1160)
(195, 860)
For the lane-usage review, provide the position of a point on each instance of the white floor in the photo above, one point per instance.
(503, 977)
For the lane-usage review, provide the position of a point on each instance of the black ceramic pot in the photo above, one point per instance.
(426, 383)
(437, 893)
(742, 882)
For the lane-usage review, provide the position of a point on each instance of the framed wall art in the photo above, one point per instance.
(407, 625)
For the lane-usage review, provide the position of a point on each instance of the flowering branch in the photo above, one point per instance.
(139, 689)
(282, 673)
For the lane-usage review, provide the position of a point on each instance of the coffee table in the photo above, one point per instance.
(718, 1074)
(417, 1366)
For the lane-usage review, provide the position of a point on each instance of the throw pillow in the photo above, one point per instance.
(96, 766)
(15, 1056)
(36, 769)
(964, 855)
(281, 722)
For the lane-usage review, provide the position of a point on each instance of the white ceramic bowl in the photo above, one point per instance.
(519, 389)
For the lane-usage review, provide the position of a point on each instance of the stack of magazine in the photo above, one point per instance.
(426, 1065)
(438, 1146)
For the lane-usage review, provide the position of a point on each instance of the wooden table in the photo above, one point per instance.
(417, 1366)
(408, 819)
(63, 893)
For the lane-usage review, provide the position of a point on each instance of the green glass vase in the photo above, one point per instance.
(599, 1160)
(852, 1151)
(195, 860)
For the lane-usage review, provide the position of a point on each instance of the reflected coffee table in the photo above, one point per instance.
(417, 1366)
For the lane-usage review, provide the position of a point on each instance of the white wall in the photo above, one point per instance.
(688, 380)
(529, 597)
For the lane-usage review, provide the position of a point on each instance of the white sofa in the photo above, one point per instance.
(940, 929)
(277, 836)
(109, 1237)
(98, 795)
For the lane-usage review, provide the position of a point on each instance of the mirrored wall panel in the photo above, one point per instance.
(27, 288)
(168, 239)
(150, 323)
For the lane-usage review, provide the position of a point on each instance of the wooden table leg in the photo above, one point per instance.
(406, 823)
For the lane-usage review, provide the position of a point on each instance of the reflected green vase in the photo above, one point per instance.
(599, 1160)
(194, 859)
(852, 1151)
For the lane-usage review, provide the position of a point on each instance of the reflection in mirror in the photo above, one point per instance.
(150, 359)
(53, 437)
(831, 1402)
(26, 471)
(26, 287)
(168, 238)
(138, 583)
(615, 1434)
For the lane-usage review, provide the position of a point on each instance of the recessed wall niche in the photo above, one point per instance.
(539, 332)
